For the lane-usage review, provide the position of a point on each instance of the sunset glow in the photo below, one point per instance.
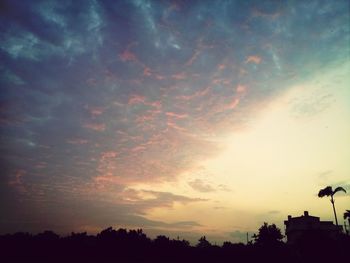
(177, 117)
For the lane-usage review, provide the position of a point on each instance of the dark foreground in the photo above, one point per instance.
(134, 246)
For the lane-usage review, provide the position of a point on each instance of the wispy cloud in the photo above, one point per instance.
(200, 186)
(253, 59)
(95, 126)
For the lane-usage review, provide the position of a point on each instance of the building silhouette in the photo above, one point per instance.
(301, 226)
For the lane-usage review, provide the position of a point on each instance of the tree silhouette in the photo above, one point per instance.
(203, 242)
(347, 216)
(328, 191)
(268, 235)
(130, 246)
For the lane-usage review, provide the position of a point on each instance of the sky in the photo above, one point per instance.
(183, 118)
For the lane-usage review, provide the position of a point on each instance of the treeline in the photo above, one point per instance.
(123, 245)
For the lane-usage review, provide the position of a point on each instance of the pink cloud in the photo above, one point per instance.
(138, 148)
(159, 77)
(163, 157)
(118, 104)
(136, 99)
(200, 47)
(104, 181)
(94, 111)
(219, 107)
(233, 104)
(95, 126)
(222, 81)
(144, 118)
(179, 76)
(193, 58)
(41, 165)
(127, 56)
(241, 88)
(164, 147)
(149, 116)
(173, 125)
(197, 94)
(253, 59)
(176, 115)
(156, 104)
(108, 155)
(147, 71)
(226, 82)
(221, 66)
(216, 81)
(16, 181)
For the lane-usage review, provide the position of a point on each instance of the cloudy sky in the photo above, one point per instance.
(179, 117)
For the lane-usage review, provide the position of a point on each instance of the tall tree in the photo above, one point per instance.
(268, 235)
(328, 191)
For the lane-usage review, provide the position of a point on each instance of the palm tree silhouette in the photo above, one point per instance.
(347, 216)
(328, 191)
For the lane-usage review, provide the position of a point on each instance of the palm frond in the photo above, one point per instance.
(339, 188)
(327, 191)
(347, 214)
